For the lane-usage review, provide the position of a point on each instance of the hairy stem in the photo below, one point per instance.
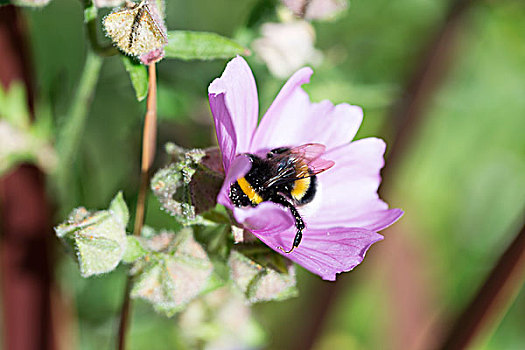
(74, 123)
(149, 138)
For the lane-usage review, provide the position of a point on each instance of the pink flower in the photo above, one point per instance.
(343, 219)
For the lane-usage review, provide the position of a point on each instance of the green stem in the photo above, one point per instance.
(90, 18)
(74, 121)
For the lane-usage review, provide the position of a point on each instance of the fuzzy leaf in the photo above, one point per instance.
(134, 250)
(186, 188)
(119, 209)
(206, 182)
(260, 283)
(221, 320)
(138, 74)
(170, 277)
(187, 45)
(99, 239)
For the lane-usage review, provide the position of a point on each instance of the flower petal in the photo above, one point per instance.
(235, 108)
(224, 128)
(265, 219)
(293, 120)
(378, 220)
(347, 193)
(239, 167)
(325, 252)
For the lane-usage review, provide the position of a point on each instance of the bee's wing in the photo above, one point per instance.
(309, 154)
(306, 162)
(308, 151)
(319, 165)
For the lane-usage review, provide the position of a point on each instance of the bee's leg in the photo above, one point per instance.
(299, 223)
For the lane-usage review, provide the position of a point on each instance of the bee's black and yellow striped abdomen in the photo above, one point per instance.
(282, 178)
(245, 194)
(250, 190)
(303, 190)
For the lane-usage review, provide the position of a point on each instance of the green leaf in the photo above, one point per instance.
(175, 271)
(138, 75)
(97, 255)
(187, 45)
(134, 250)
(13, 105)
(182, 195)
(90, 13)
(259, 283)
(119, 208)
(99, 239)
(218, 318)
(100, 247)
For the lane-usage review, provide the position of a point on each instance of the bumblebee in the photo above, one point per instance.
(287, 176)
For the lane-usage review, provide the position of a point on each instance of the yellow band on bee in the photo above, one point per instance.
(249, 191)
(300, 187)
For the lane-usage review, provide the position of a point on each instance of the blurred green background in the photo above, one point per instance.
(461, 182)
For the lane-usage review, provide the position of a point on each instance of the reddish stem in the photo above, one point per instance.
(149, 138)
(24, 220)
(494, 297)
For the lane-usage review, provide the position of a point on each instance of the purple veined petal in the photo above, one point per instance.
(378, 220)
(239, 167)
(325, 252)
(226, 136)
(293, 120)
(266, 219)
(235, 108)
(347, 192)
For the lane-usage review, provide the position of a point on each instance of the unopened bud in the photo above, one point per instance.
(138, 30)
